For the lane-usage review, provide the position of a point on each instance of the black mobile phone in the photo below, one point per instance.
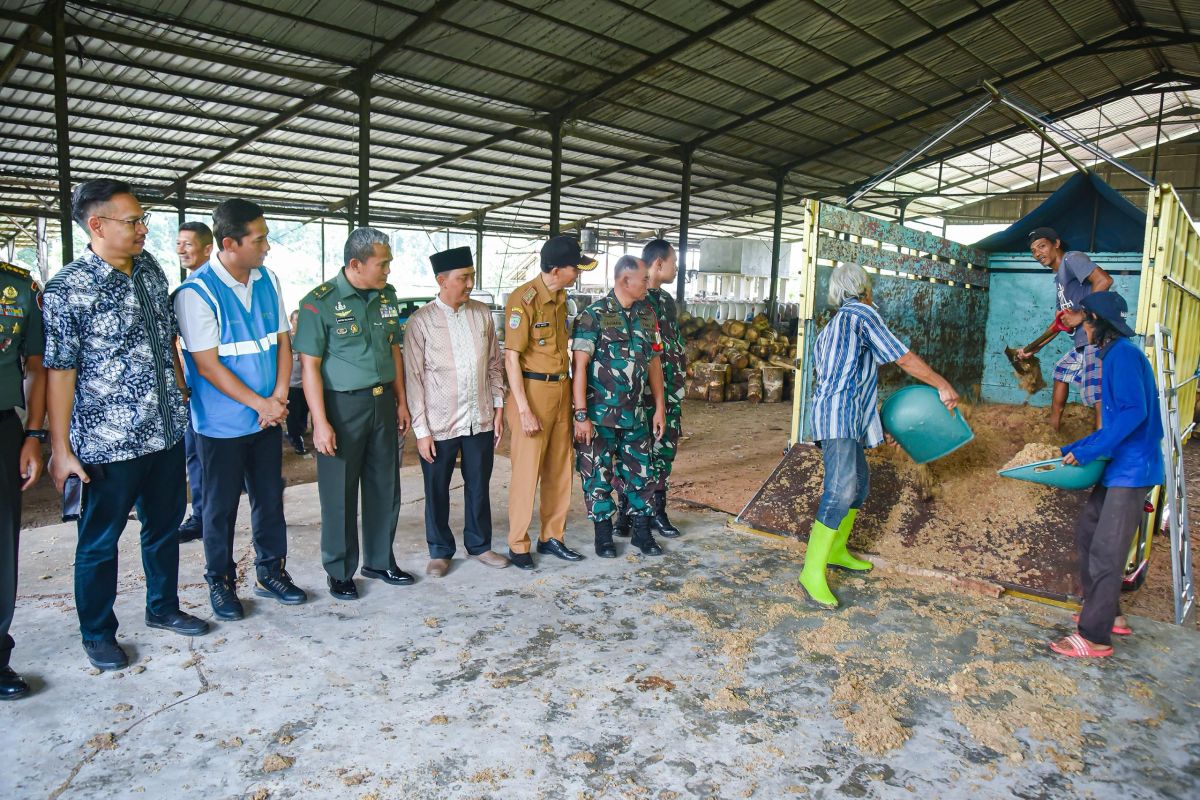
(72, 499)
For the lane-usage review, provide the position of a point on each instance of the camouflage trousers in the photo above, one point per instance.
(617, 458)
(662, 452)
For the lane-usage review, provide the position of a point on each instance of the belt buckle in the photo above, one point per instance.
(376, 391)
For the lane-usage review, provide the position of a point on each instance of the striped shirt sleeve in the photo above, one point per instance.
(882, 342)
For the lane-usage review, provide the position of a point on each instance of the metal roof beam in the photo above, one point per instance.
(363, 73)
(670, 51)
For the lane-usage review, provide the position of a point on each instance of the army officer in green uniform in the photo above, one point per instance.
(348, 337)
(21, 345)
(615, 351)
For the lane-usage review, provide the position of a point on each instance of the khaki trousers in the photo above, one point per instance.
(544, 457)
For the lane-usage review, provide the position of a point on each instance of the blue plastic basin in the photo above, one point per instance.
(920, 424)
(1057, 474)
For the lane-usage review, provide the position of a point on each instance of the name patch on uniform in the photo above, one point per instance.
(541, 324)
(610, 320)
(514, 320)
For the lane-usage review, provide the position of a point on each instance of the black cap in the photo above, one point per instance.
(1111, 308)
(564, 251)
(454, 258)
(1043, 233)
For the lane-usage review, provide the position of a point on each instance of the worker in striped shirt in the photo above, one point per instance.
(845, 414)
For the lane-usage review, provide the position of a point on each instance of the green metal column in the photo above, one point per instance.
(776, 249)
(61, 130)
(685, 201)
(555, 175)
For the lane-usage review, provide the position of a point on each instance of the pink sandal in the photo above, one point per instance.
(1075, 646)
(1116, 629)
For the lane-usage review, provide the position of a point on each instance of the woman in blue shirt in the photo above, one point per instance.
(1131, 437)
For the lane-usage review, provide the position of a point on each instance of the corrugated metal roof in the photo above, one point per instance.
(831, 93)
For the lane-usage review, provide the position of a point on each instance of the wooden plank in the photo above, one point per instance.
(846, 221)
(903, 263)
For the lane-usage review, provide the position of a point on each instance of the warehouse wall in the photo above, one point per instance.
(1022, 305)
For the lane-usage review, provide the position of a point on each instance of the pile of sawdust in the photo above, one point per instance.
(103, 741)
(274, 762)
(956, 515)
(1033, 453)
(868, 716)
(651, 682)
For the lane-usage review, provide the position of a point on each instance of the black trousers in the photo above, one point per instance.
(297, 416)
(12, 436)
(366, 461)
(1102, 536)
(154, 485)
(255, 461)
(477, 452)
(195, 472)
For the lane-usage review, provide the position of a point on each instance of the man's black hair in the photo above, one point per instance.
(1103, 331)
(90, 194)
(203, 233)
(655, 249)
(230, 219)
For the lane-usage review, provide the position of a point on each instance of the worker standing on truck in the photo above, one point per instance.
(847, 355)
(1131, 437)
(1075, 277)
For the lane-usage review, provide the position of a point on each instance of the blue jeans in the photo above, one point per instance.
(847, 479)
(153, 484)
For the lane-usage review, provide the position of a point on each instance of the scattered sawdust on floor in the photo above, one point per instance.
(103, 741)
(432, 622)
(137, 669)
(651, 682)
(275, 762)
(869, 716)
(285, 739)
(372, 795)
(230, 743)
(260, 794)
(489, 775)
(122, 707)
(439, 719)
(583, 756)
(354, 778)
(191, 662)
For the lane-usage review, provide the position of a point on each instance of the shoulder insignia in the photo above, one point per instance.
(13, 269)
(322, 290)
(530, 293)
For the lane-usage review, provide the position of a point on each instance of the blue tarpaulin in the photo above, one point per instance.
(1088, 215)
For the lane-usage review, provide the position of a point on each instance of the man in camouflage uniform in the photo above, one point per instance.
(615, 350)
(659, 258)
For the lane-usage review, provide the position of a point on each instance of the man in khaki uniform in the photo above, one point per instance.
(539, 405)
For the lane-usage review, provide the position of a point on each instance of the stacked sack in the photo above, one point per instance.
(736, 360)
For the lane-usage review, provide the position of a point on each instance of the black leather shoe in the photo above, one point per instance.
(642, 538)
(278, 584)
(12, 685)
(105, 654)
(224, 599)
(624, 523)
(604, 541)
(343, 590)
(191, 530)
(178, 622)
(520, 560)
(298, 446)
(554, 547)
(396, 577)
(660, 521)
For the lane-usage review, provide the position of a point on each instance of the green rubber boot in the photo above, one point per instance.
(839, 556)
(812, 577)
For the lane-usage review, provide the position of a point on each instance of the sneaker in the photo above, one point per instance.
(105, 654)
(191, 530)
(225, 603)
(278, 584)
(177, 622)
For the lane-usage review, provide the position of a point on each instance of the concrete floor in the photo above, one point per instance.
(692, 675)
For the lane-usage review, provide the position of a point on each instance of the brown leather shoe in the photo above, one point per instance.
(490, 558)
(437, 567)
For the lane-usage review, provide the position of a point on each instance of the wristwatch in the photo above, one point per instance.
(581, 416)
(36, 433)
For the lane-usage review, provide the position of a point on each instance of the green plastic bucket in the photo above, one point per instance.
(920, 424)
(1057, 474)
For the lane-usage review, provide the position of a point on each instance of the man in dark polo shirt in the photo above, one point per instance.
(348, 337)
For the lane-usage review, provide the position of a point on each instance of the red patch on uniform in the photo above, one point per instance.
(312, 308)
(656, 348)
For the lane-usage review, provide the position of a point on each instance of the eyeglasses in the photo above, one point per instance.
(143, 220)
